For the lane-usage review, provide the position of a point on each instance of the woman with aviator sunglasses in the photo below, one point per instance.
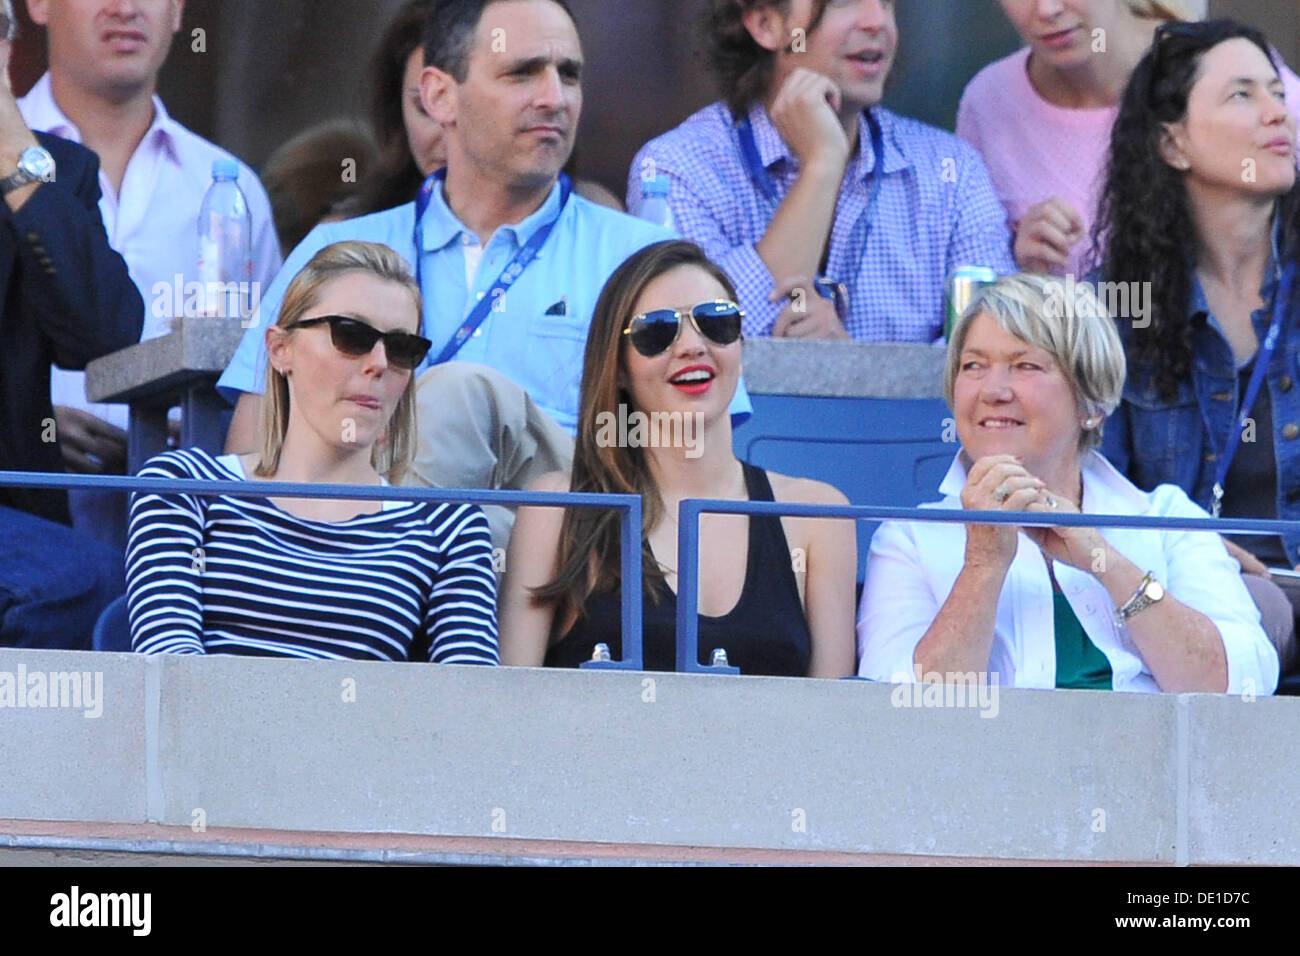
(319, 578)
(662, 361)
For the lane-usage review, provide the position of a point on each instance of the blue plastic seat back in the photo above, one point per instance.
(113, 629)
(884, 452)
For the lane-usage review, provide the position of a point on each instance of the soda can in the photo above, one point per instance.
(963, 285)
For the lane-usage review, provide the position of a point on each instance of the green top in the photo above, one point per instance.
(1080, 664)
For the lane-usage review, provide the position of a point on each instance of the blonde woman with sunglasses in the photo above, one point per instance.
(313, 577)
(662, 361)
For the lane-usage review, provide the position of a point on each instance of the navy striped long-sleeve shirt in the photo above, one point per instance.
(239, 575)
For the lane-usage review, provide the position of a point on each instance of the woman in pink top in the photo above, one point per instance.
(1042, 117)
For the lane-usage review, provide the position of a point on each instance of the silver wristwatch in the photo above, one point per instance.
(36, 165)
(1149, 592)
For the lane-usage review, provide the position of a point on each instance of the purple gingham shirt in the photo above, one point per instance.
(936, 210)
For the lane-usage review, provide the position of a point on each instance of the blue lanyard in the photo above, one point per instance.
(1281, 300)
(509, 276)
(762, 179)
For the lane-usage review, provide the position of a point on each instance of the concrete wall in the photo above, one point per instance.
(662, 760)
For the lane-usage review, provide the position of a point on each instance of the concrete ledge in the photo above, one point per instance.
(23, 842)
(665, 760)
(843, 369)
(62, 764)
(197, 348)
(1243, 795)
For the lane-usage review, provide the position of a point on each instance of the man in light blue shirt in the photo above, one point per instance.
(510, 112)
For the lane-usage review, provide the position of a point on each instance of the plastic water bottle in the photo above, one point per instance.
(225, 244)
(654, 203)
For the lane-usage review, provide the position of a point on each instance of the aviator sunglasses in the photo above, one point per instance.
(653, 332)
(355, 338)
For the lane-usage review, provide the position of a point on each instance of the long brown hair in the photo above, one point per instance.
(589, 538)
(395, 178)
(392, 454)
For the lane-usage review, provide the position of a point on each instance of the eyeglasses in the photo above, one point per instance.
(354, 337)
(653, 332)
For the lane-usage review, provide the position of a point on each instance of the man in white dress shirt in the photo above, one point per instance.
(104, 58)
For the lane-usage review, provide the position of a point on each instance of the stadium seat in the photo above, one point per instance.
(883, 452)
(113, 629)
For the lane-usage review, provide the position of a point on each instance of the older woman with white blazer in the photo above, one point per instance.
(1030, 379)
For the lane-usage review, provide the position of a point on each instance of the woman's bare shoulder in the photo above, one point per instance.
(805, 491)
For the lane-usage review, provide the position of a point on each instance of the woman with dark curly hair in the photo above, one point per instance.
(1201, 204)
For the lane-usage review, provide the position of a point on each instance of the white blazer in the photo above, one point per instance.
(913, 565)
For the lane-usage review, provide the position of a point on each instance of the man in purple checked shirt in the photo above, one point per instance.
(835, 218)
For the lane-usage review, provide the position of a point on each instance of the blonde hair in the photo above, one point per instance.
(1167, 9)
(392, 454)
(1077, 331)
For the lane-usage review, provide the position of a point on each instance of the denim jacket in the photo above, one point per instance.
(1155, 441)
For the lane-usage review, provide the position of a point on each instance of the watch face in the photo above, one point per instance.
(1155, 591)
(38, 163)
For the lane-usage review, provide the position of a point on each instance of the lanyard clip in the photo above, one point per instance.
(1216, 506)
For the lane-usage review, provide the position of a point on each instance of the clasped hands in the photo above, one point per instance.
(1001, 483)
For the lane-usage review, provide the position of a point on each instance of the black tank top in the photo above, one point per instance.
(765, 633)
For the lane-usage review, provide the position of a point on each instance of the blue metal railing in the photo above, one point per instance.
(629, 505)
(688, 537)
(632, 657)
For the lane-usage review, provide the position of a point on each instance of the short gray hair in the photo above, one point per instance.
(1072, 325)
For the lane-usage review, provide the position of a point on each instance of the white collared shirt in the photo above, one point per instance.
(153, 221)
(913, 566)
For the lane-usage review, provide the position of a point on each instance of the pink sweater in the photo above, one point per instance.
(1037, 151)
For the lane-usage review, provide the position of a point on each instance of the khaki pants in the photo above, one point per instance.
(478, 429)
(1276, 616)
